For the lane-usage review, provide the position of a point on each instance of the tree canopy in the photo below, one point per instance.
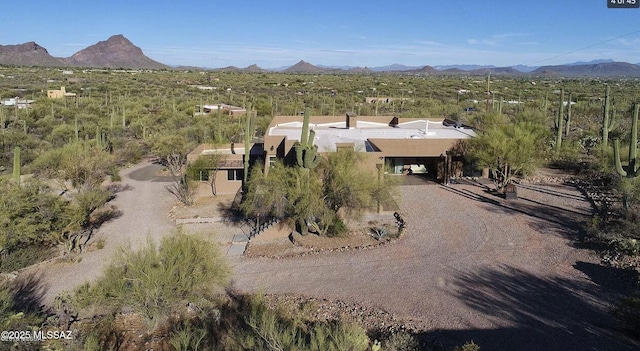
(509, 147)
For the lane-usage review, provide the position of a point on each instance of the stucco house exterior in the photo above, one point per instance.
(432, 147)
(229, 110)
(59, 93)
(230, 173)
(401, 145)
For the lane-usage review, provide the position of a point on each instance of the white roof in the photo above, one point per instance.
(328, 134)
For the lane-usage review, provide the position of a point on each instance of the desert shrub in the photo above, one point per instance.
(268, 329)
(25, 256)
(153, 280)
(187, 338)
(337, 228)
(627, 314)
(183, 189)
(101, 334)
(468, 346)
(31, 215)
(401, 341)
(129, 153)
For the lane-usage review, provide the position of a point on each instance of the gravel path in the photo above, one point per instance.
(144, 204)
(471, 267)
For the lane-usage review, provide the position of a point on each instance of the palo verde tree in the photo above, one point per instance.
(206, 168)
(509, 147)
(346, 186)
(172, 151)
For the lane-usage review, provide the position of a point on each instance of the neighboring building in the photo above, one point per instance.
(383, 99)
(230, 174)
(226, 109)
(20, 104)
(59, 94)
(404, 145)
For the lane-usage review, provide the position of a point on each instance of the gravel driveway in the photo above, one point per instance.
(144, 204)
(471, 267)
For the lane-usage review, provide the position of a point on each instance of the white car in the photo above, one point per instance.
(417, 169)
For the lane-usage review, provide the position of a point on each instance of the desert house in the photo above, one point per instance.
(430, 147)
(18, 103)
(59, 94)
(229, 175)
(224, 108)
(402, 145)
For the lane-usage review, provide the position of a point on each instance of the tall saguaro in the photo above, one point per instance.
(17, 164)
(607, 121)
(306, 152)
(631, 170)
(248, 136)
(560, 121)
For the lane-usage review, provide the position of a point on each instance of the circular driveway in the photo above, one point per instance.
(471, 266)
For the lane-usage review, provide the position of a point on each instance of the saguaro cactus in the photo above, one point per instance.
(607, 122)
(307, 153)
(559, 121)
(248, 136)
(568, 121)
(16, 164)
(102, 140)
(631, 170)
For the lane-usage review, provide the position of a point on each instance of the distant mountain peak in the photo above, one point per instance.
(303, 67)
(252, 69)
(28, 54)
(115, 52)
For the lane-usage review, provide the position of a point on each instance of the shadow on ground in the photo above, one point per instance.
(27, 292)
(150, 172)
(543, 216)
(541, 314)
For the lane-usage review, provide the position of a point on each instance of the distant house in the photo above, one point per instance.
(403, 145)
(230, 173)
(224, 108)
(20, 104)
(59, 94)
(383, 99)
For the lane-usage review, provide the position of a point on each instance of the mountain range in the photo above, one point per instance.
(119, 52)
(115, 52)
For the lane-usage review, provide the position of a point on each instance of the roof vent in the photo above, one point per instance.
(352, 121)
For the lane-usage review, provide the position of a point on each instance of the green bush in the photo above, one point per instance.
(268, 329)
(468, 346)
(628, 315)
(401, 341)
(154, 281)
(187, 338)
(25, 256)
(31, 215)
(337, 228)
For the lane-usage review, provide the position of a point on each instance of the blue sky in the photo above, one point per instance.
(369, 33)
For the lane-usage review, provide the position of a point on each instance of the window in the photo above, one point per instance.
(272, 161)
(204, 175)
(235, 174)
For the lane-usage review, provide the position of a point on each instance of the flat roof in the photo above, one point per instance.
(330, 133)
